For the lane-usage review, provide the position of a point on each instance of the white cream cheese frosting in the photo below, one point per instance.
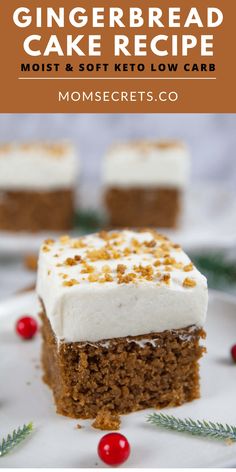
(119, 284)
(37, 166)
(147, 164)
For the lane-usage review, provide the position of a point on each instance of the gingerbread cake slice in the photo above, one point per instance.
(144, 183)
(122, 320)
(37, 186)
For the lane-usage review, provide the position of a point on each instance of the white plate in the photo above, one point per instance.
(209, 221)
(57, 443)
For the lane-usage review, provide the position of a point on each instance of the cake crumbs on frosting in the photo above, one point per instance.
(169, 260)
(157, 263)
(98, 254)
(166, 278)
(106, 278)
(176, 246)
(78, 244)
(93, 277)
(70, 261)
(64, 239)
(53, 149)
(178, 265)
(145, 271)
(126, 279)
(188, 267)
(124, 288)
(70, 283)
(151, 243)
(45, 248)
(189, 282)
(107, 236)
(49, 241)
(88, 269)
(131, 256)
(121, 268)
(106, 269)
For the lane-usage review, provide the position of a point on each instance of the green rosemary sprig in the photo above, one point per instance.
(196, 428)
(86, 221)
(15, 438)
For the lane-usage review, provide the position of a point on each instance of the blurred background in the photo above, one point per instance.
(212, 200)
(211, 138)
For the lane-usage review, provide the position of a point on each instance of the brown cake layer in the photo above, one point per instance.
(120, 375)
(138, 207)
(36, 211)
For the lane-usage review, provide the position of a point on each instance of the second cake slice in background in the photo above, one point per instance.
(37, 184)
(144, 182)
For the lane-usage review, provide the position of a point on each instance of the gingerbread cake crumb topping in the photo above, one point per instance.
(145, 271)
(93, 277)
(78, 244)
(70, 283)
(64, 239)
(98, 254)
(88, 269)
(45, 249)
(188, 268)
(49, 241)
(126, 279)
(151, 243)
(106, 278)
(121, 268)
(106, 269)
(189, 282)
(178, 265)
(70, 261)
(157, 263)
(166, 278)
(122, 257)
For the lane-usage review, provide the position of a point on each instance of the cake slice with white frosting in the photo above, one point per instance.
(123, 314)
(144, 183)
(37, 183)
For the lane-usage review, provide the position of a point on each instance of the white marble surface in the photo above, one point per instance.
(14, 277)
(56, 442)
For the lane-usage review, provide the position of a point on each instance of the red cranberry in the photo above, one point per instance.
(113, 449)
(233, 352)
(26, 327)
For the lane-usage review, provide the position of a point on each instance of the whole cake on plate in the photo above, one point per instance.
(37, 186)
(144, 183)
(122, 319)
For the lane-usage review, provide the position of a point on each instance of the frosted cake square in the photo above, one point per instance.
(122, 320)
(37, 183)
(144, 182)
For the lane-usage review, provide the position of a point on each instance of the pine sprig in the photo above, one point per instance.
(219, 270)
(196, 428)
(87, 221)
(15, 438)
